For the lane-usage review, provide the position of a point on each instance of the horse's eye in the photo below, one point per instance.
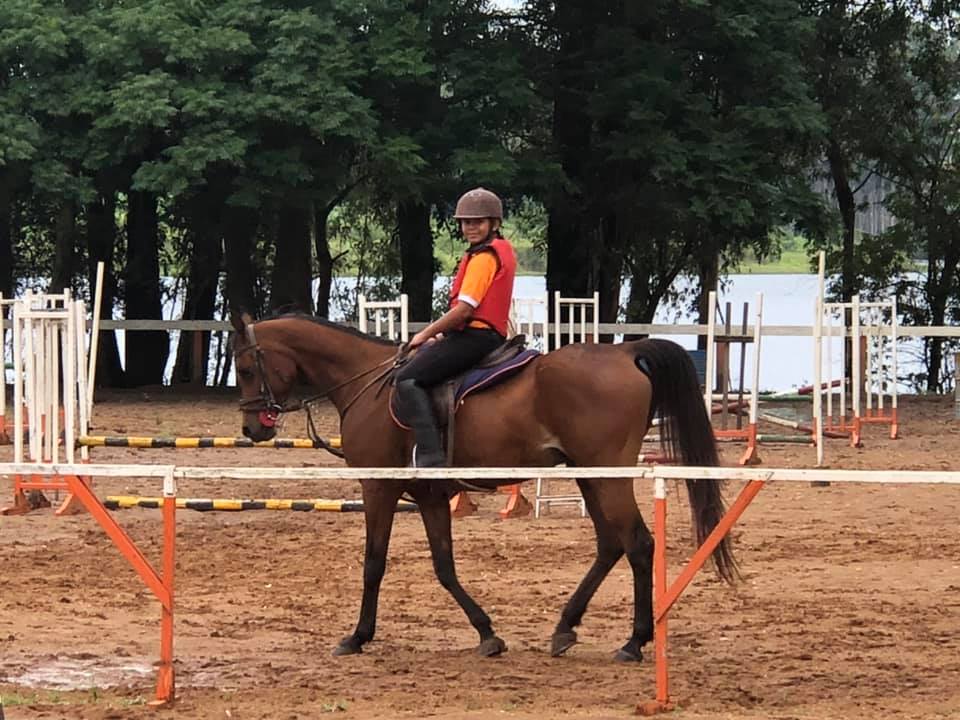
(246, 374)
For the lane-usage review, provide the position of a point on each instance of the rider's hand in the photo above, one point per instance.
(419, 339)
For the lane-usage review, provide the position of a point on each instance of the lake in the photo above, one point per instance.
(786, 362)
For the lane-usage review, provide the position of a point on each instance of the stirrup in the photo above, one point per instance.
(437, 461)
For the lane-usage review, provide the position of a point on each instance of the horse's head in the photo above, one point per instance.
(265, 376)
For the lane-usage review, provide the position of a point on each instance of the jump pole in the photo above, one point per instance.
(184, 443)
(956, 385)
(818, 359)
(125, 502)
(94, 339)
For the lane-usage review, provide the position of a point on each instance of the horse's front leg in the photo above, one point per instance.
(379, 505)
(435, 511)
(609, 551)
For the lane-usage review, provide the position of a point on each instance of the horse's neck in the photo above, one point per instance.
(331, 358)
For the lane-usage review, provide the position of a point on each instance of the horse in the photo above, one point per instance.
(582, 404)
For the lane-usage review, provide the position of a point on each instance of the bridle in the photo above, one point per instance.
(270, 409)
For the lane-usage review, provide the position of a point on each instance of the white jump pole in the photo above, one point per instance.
(755, 390)
(52, 436)
(94, 341)
(70, 393)
(711, 352)
(80, 320)
(856, 381)
(818, 359)
(404, 318)
(596, 316)
(893, 355)
(557, 339)
(829, 318)
(35, 404)
(18, 386)
(3, 359)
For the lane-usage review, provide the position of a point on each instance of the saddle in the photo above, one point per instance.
(504, 362)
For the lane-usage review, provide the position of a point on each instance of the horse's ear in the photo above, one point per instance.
(240, 320)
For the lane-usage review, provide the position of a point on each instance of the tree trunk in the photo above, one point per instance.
(292, 266)
(709, 271)
(146, 351)
(416, 257)
(6, 242)
(568, 262)
(65, 230)
(321, 249)
(6, 265)
(640, 304)
(839, 170)
(101, 244)
(610, 273)
(568, 256)
(939, 280)
(203, 278)
(239, 245)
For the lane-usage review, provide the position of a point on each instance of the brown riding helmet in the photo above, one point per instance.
(479, 203)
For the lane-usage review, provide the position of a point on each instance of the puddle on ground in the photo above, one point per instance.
(66, 673)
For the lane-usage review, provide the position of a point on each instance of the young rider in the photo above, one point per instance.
(474, 326)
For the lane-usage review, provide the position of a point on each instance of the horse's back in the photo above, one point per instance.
(587, 402)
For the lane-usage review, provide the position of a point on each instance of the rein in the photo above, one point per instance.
(270, 409)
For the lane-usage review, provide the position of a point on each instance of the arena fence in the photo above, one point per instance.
(161, 583)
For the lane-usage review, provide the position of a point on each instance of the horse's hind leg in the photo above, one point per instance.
(638, 546)
(609, 551)
(379, 505)
(435, 511)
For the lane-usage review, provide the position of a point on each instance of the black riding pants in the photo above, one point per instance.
(457, 352)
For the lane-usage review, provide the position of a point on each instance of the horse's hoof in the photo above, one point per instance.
(562, 642)
(348, 646)
(491, 647)
(624, 655)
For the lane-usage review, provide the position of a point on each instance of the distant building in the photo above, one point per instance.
(872, 217)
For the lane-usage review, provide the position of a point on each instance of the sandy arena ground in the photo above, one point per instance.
(849, 607)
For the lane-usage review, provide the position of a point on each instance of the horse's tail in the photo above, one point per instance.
(687, 435)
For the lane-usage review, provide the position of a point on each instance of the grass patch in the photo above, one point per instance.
(790, 262)
(334, 706)
(22, 699)
(39, 698)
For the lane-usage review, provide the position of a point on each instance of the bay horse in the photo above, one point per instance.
(584, 404)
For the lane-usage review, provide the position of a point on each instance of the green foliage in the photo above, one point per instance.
(628, 139)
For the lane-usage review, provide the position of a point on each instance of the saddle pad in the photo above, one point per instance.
(483, 378)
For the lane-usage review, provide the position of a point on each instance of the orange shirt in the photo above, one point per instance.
(478, 278)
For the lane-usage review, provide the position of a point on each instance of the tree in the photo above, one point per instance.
(447, 86)
(682, 131)
(857, 49)
(920, 155)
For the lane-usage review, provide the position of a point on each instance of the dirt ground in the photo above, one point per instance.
(849, 605)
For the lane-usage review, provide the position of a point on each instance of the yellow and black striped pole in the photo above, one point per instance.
(124, 502)
(135, 441)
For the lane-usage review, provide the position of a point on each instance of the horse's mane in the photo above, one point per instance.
(329, 324)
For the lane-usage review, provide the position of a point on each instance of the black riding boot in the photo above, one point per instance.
(418, 410)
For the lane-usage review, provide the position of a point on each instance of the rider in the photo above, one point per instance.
(474, 326)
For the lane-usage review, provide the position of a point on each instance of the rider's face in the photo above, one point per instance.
(476, 230)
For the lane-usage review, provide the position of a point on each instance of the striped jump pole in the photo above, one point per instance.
(134, 441)
(125, 502)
